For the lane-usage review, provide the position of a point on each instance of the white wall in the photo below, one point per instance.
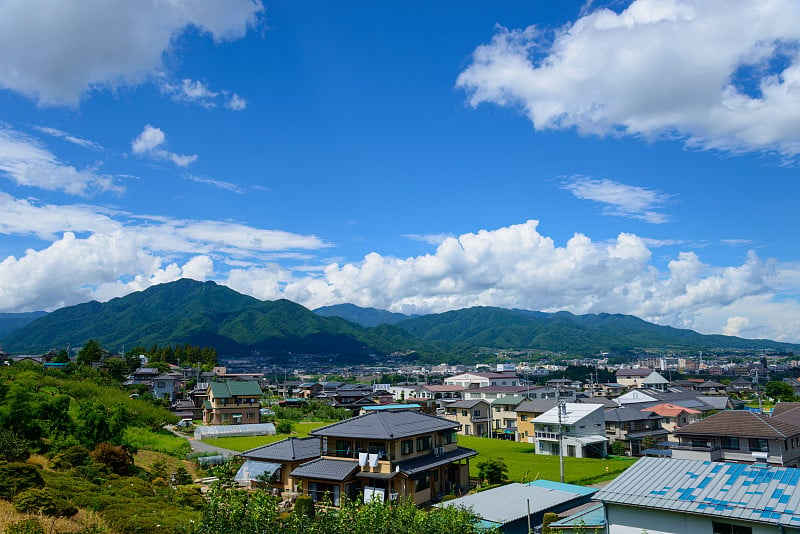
(631, 520)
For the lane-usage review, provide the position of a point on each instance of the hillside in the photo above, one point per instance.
(207, 314)
(204, 314)
(363, 316)
(12, 321)
(565, 332)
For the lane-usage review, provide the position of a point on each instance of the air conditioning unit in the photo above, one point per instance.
(437, 451)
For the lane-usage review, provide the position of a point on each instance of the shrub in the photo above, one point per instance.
(25, 526)
(618, 448)
(493, 471)
(283, 427)
(41, 501)
(16, 478)
(304, 506)
(13, 447)
(114, 457)
(548, 518)
(74, 456)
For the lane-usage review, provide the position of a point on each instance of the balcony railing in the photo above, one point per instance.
(546, 435)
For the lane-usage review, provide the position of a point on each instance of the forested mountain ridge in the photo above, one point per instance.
(210, 315)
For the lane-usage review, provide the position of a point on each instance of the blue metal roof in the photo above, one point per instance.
(560, 486)
(758, 493)
(391, 407)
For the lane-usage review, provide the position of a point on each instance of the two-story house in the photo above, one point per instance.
(386, 455)
(740, 436)
(504, 417)
(232, 402)
(476, 380)
(674, 416)
(579, 428)
(527, 411)
(634, 428)
(472, 415)
(633, 378)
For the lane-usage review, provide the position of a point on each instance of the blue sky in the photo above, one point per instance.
(626, 157)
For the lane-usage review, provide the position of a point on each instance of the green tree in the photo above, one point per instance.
(61, 357)
(780, 391)
(90, 353)
(13, 447)
(493, 471)
(618, 447)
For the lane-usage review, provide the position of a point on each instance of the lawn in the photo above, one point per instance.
(524, 464)
(244, 443)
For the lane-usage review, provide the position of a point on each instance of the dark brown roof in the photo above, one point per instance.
(788, 412)
(740, 423)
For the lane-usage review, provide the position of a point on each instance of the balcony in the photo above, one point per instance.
(546, 435)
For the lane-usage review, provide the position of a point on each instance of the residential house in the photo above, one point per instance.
(387, 455)
(504, 417)
(670, 496)
(526, 412)
(608, 390)
(654, 381)
(531, 392)
(277, 460)
(476, 380)
(788, 412)
(674, 416)
(232, 402)
(473, 416)
(512, 507)
(309, 390)
(441, 391)
(579, 428)
(637, 429)
(739, 436)
(711, 387)
(166, 386)
(633, 378)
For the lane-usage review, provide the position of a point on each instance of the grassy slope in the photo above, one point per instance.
(522, 462)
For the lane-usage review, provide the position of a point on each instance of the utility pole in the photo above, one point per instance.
(758, 390)
(561, 407)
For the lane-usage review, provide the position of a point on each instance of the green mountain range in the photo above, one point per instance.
(207, 314)
(362, 316)
(14, 321)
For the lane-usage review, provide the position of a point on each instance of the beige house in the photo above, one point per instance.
(386, 455)
(232, 402)
(471, 415)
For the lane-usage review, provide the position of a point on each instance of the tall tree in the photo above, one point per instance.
(90, 352)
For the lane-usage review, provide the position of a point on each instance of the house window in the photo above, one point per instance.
(476, 413)
(424, 443)
(523, 417)
(161, 384)
(727, 528)
(422, 483)
(407, 446)
(729, 443)
(450, 437)
(759, 444)
(464, 413)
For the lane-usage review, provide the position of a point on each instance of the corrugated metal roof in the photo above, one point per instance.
(510, 502)
(326, 469)
(386, 425)
(286, 450)
(747, 492)
(573, 412)
(251, 470)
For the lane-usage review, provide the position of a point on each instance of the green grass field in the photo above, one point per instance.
(245, 443)
(524, 464)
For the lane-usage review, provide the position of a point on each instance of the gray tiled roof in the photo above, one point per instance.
(326, 469)
(740, 423)
(619, 415)
(733, 491)
(537, 406)
(429, 461)
(386, 425)
(467, 404)
(290, 449)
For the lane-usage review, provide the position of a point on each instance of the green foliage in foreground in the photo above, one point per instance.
(524, 465)
(232, 511)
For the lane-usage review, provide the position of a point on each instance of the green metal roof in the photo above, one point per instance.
(231, 388)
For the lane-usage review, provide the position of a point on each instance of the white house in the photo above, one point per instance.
(476, 380)
(671, 496)
(582, 431)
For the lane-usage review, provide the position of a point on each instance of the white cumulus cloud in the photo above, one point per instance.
(56, 52)
(151, 142)
(718, 74)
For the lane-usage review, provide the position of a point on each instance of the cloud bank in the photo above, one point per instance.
(102, 44)
(718, 74)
